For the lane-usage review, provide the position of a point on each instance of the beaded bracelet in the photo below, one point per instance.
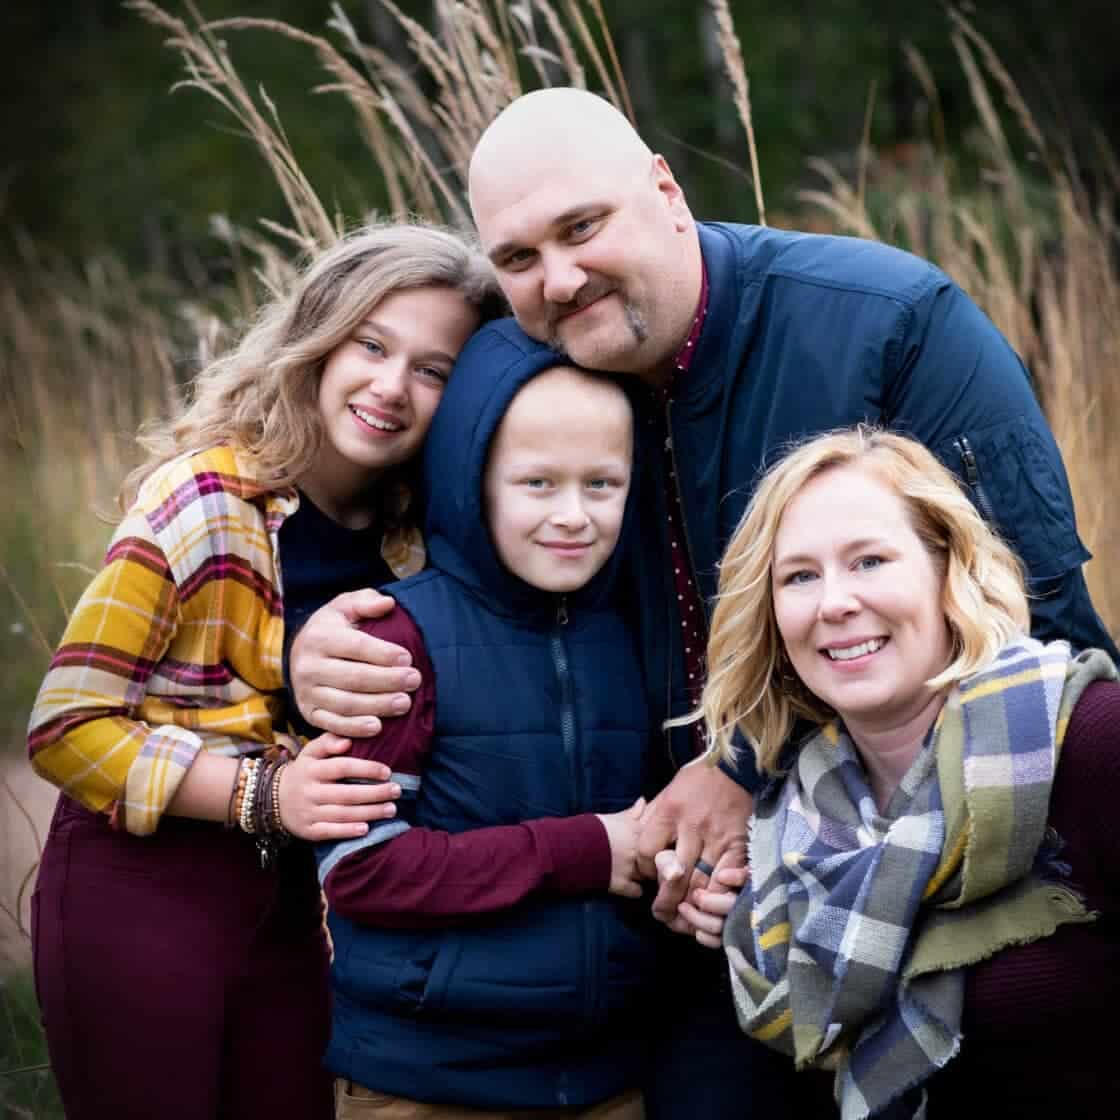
(276, 822)
(239, 793)
(255, 805)
(231, 820)
(245, 819)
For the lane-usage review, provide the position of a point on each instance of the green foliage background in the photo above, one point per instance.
(98, 153)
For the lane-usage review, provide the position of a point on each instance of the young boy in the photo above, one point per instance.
(487, 957)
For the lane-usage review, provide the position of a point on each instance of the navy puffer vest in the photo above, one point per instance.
(540, 711)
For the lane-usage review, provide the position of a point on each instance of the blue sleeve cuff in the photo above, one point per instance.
(330, 853)
(743, 770)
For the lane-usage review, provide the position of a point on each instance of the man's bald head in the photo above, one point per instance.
(560, 127)
(589, 232)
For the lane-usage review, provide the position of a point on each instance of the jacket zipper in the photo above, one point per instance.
(567, 706)
(674, 482)
(972, 474)
(571, 753)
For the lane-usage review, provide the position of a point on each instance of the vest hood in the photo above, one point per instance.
(497, 362)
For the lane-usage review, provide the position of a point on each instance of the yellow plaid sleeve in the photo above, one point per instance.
(84, 735)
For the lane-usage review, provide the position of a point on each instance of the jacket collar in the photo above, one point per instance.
(726, 280)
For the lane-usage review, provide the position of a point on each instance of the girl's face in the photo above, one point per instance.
(380, 388)
(857, 600)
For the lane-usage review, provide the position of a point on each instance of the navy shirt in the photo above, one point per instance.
(319, 559)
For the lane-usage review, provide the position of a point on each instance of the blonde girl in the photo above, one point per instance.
(179, 955)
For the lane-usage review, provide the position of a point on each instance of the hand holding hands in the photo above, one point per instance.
(709, 900)
(700, 815)
(622, 832)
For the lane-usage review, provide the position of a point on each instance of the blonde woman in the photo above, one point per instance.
(179, 954)
(934, 864)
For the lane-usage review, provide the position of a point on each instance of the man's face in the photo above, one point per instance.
(592, 263)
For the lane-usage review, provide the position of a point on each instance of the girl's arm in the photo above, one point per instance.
(88, 734)
(315, 801)
(83, 734)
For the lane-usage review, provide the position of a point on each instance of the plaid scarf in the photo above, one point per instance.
(847, 951)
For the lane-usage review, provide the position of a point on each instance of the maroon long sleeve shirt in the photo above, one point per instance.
(426, 878)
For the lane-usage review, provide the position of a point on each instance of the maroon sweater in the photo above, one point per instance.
(426, 878)
(1038, 1038)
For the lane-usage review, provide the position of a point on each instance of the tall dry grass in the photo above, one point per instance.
(1034, 248)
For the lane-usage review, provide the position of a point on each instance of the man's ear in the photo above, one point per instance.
(670, 191)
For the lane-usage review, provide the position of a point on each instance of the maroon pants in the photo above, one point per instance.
(176, 978)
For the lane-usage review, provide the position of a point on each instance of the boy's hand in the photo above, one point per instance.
(622, 832)
(342, 679)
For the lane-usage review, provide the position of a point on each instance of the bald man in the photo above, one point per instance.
(747, 338)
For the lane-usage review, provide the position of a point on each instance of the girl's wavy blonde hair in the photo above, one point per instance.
(261, 397)
(752, 686)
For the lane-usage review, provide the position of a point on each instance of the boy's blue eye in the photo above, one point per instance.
(868, 563)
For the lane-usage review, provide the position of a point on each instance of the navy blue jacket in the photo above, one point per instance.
(805, 333)
(540, 712)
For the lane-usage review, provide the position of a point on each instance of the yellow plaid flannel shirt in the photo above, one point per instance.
(176, 645)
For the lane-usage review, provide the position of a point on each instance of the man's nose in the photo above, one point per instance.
(563, 277)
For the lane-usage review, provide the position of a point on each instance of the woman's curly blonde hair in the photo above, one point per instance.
(261, 397)
(752, 686)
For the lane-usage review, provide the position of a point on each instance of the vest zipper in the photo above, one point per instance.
(562, 665)
(972, 474)
(576, 800)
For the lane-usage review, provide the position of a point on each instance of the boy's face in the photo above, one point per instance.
(557, 479)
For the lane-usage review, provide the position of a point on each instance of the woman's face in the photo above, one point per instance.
(857, 600)
(380, 388)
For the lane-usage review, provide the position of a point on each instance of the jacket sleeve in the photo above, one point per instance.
(84, 735)
(402, 875)
(743, 771)
(953, 382)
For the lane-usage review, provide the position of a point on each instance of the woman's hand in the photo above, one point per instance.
(326, 795)
(708, 903)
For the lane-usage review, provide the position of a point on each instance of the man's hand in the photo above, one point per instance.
(622, 832)
(701, 814)
(709, 901)
(325, 794)
(342, 679)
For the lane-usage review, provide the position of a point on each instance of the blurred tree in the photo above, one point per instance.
(98, 152)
